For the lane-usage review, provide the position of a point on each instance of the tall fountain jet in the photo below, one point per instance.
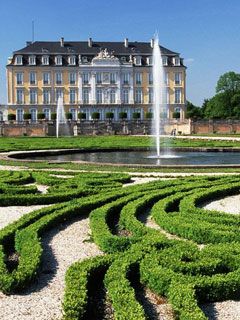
(159, 90)
(61, 117)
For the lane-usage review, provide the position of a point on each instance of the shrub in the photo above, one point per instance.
(149, 115)
(123, 115)
(27, 116)
(109, 115)
(82, 116)
(136, 115)
(41, 116)
(95, 115)
(11, 117)
(69, 115)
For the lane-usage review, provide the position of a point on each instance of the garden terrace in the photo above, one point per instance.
(133, 255)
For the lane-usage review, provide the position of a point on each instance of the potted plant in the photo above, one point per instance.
(11, 117)
(109, 115)
(123, 115)
(27, 116)
(82, 116)
(69, 116)
(149, 115)
(136, 115)
(95, 115)
(53, 116)
(41, 116)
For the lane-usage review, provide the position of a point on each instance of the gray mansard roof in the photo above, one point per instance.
(81, 47)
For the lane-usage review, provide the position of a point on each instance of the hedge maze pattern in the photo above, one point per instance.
(184, 272)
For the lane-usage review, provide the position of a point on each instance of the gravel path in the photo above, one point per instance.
(229, 204)
(10, 214)
(62, 247)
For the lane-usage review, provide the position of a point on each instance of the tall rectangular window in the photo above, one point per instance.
(72, 60)
(177, 95)
(138, 78)
(33, 96)
(85, 76)
(138, 95)
(47, 113)
(19, 60)
(125, 96)
(20, 96)
(112, 77)
(32, 78)
(99, 77)
(85, 96)
(72, 77)
(19, 77)
(59, 94)
(126, 78)
(20, 115)
(58, 60)
(58, 77)
(99, 96)
(32, 60)
(33, 113)
(150, 95)
(72, 95)
(112, 96)
(178, 78)
(46, 77)
(166, 80)
(45, 60)
(46, 96)
(74, 114)
(150, 78)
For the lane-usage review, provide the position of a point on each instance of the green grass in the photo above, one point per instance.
(92, 142)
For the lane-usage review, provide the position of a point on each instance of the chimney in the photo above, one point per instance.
(62, 42)
(126, 42)
(90, 42)
(152, 43)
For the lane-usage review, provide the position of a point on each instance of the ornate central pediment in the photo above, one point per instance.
(105, 58)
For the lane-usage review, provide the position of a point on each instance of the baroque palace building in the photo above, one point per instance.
(92, 77)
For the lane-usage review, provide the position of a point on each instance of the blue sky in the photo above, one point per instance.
(205, 32)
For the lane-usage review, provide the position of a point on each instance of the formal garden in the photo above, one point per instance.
(88, 241)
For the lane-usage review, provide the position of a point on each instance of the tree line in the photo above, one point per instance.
(225, 104)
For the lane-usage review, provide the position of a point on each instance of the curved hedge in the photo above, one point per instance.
(180, 270)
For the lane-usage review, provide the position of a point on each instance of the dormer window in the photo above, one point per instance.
(72, 60)
(58, 60)
(176, 61)
(164, 61)
(149, 61)
(84, 59)
(32, 60)
(45, 60)
(138, 61)
(19, 60)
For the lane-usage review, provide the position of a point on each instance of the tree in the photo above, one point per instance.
(109, 115)
(95, 115)
(219, 107)
(193, 111)
(123, 115)
(149, 115)
(228, 82)
(136, 115)
(82, 116)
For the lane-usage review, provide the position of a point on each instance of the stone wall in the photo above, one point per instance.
(215, 126)
(121, 127)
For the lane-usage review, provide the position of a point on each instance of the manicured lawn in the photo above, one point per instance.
(90, 142)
